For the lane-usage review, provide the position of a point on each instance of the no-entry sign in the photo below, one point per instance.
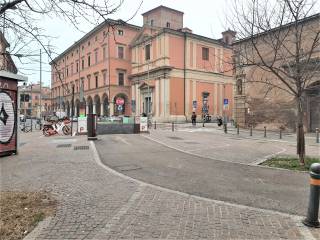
(119, 101)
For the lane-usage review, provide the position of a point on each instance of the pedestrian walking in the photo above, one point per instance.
(193, 118)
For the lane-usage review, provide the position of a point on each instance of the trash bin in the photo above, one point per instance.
(91, 126)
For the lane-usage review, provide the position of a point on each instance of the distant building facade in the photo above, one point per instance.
(6, 62)
(256, 103)
(30, 100)
(161, 68)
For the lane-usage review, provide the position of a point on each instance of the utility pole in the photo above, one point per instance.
(31, 106)
(72, 109)
(40, 103)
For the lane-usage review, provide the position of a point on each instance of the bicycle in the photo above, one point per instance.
(25, 128)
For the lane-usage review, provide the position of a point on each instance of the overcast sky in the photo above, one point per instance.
(204, 17)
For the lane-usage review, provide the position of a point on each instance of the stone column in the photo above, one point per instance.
(75, 111)
(87, 109)
(111, 108)
(94, 111)
(101, 109)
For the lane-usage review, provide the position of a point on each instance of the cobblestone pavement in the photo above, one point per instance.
(97, 203)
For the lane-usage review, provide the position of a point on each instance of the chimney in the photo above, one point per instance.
(228, 36)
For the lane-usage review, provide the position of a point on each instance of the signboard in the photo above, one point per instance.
(226, 104)
(119, 101)
(82, 109)
(194, 104)
(82, 125)
(120, 108)
(143, 124)
(137, 119)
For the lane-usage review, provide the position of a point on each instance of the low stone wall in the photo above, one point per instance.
(103, 128)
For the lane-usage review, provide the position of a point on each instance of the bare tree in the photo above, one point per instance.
(278, 47)
(21, 21)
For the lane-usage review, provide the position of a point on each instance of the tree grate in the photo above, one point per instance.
(63, 145)
(81, 148)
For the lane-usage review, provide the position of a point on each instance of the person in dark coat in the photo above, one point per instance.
(193, 118)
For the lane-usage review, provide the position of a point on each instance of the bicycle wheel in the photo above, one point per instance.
(66, 130)
(26, 129)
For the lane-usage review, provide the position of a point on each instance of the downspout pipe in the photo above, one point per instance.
(184, 75)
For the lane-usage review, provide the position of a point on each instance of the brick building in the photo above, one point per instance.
(161, 68)
(6, 62)
(30, 100)
(256, 103)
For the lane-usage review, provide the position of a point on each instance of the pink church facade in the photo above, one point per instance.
(161, 69)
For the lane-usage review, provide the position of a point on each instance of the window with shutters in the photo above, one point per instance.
(121, 52)
(121, 78)
(205, 53)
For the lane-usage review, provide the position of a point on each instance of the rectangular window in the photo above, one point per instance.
(89, 61)
(77, 67)
(82, 63)
(205, 53)
(104, 53)
(120, 32)
(147, 52)
(168, 25)
(89, 82)
(96, 56)
(152, 22)
(71, 69)
(121, 52)
(121, 78)
(67, 71)
(96, 81)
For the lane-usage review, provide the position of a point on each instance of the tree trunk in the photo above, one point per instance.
(300, 132)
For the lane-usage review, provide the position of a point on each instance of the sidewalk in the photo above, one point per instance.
(290, 137)
(96, 202)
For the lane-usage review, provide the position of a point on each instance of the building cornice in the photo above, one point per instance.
(109, 22)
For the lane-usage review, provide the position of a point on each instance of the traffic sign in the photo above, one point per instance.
(194, 104)
(226, 101)
(119, 101)
(119, 108)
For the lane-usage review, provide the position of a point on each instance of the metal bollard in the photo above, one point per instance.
(265, 131)
(317, 135)
(225, 128)
(155, 124)
(238, 131)
(313, 208)
(280, 134)
(251, 130)
(172, 126)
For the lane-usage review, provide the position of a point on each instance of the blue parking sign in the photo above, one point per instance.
(225, 101)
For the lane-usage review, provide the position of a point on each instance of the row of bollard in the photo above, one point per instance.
(251, 129)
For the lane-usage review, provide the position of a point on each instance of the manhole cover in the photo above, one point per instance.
(63, 145)
(175, 138)
(129, 167)
(81, 148)
(191, 142)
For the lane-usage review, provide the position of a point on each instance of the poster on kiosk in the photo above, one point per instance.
(82, 120)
